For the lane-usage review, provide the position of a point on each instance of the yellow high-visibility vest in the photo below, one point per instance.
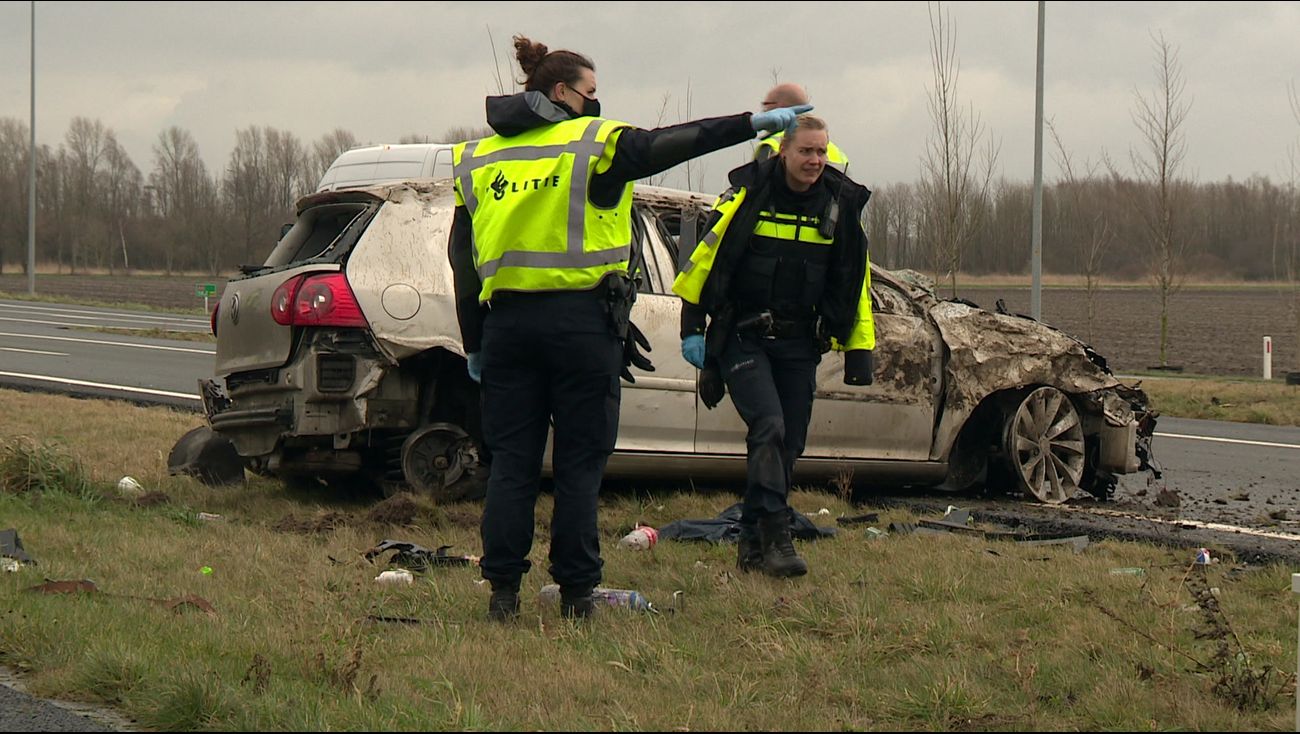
(534, 227)
(689, 283)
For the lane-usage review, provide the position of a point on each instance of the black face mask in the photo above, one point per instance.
(590, 107)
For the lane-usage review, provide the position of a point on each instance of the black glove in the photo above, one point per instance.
(857, 367)
(712, 388)
(631, 356)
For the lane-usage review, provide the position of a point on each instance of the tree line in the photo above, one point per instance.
(96, 209)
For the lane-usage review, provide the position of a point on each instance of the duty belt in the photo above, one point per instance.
(767, 326)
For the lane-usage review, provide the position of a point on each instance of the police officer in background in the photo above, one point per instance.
(542, 248)
(790, 95)
(780, 276)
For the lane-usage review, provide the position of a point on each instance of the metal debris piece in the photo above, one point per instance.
(1078, 542)
(418, 558)
(870, 517)
(11, 546)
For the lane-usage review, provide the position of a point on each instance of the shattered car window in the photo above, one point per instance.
(316, 232)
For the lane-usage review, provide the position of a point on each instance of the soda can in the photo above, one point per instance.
(643, 537)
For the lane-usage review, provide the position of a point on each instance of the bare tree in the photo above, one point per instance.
(1094, 228)
(1159, 119)
(122, 192)
(953, 190)
(248, 189)
(461, 133)
(658, 179)
(183, 193)
(1286, 224)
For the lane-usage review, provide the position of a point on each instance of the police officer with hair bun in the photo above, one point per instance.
(544, 259)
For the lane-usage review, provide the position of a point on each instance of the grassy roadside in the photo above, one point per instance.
(1239, 400)
(120, 305)
(903, 632)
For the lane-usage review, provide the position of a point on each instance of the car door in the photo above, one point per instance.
(658, 410)
(891, 419)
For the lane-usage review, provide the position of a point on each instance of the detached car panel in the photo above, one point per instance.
(360, 376)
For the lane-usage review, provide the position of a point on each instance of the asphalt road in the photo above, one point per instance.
(1228, 473)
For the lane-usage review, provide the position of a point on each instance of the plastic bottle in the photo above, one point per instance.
(621, 598)
(643, 537)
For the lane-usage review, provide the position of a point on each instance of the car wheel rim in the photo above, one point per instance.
(435, 456)
(1045, 445)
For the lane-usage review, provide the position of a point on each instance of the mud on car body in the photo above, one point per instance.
(339, 360)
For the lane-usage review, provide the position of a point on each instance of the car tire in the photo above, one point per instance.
(1044, 445)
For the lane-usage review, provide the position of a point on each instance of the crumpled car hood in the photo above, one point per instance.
(991, 351)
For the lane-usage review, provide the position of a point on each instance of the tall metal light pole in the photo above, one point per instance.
(1036, 298)
(31, 176)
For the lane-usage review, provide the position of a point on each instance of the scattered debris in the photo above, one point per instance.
(1203, 557)
(642, 537)
(416, 557)
(725, 528)
(84, 586)
(11, 547)
(1168, 498)
(129, 487)
(209, 517)
(1241, 497)
(208, 456)
(869, 517)
(958, 521)
(398, 577)
(181, 603)
(1278, 515)
(874, 532)
(1128, 571)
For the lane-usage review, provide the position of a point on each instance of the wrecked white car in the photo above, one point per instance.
(339, 359)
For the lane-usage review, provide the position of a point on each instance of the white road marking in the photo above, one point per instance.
(67, 325)
(105, 386)
(1184, 522)
(33, 351)
(1242, 441)
(111, 343)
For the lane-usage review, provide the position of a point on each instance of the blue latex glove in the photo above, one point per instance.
(475, 366)
(779, 119)
(693, 350)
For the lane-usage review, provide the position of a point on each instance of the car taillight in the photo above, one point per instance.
(327, 300)
(282, 301)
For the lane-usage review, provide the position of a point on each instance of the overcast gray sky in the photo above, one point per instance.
(383, 70)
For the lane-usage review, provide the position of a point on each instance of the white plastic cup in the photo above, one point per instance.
(399, 577)
(130, 487)
(643, 537)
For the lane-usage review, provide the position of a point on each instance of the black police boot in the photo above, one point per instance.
(504, 604)
(749, 552)
(576, 603)
(779, 558)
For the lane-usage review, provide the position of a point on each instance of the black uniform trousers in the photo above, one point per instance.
(772, 384)
(547, 357)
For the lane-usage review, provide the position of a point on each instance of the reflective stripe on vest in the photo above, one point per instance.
(534, 227)
(689, 283)
(790, 227)
(835, 157)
